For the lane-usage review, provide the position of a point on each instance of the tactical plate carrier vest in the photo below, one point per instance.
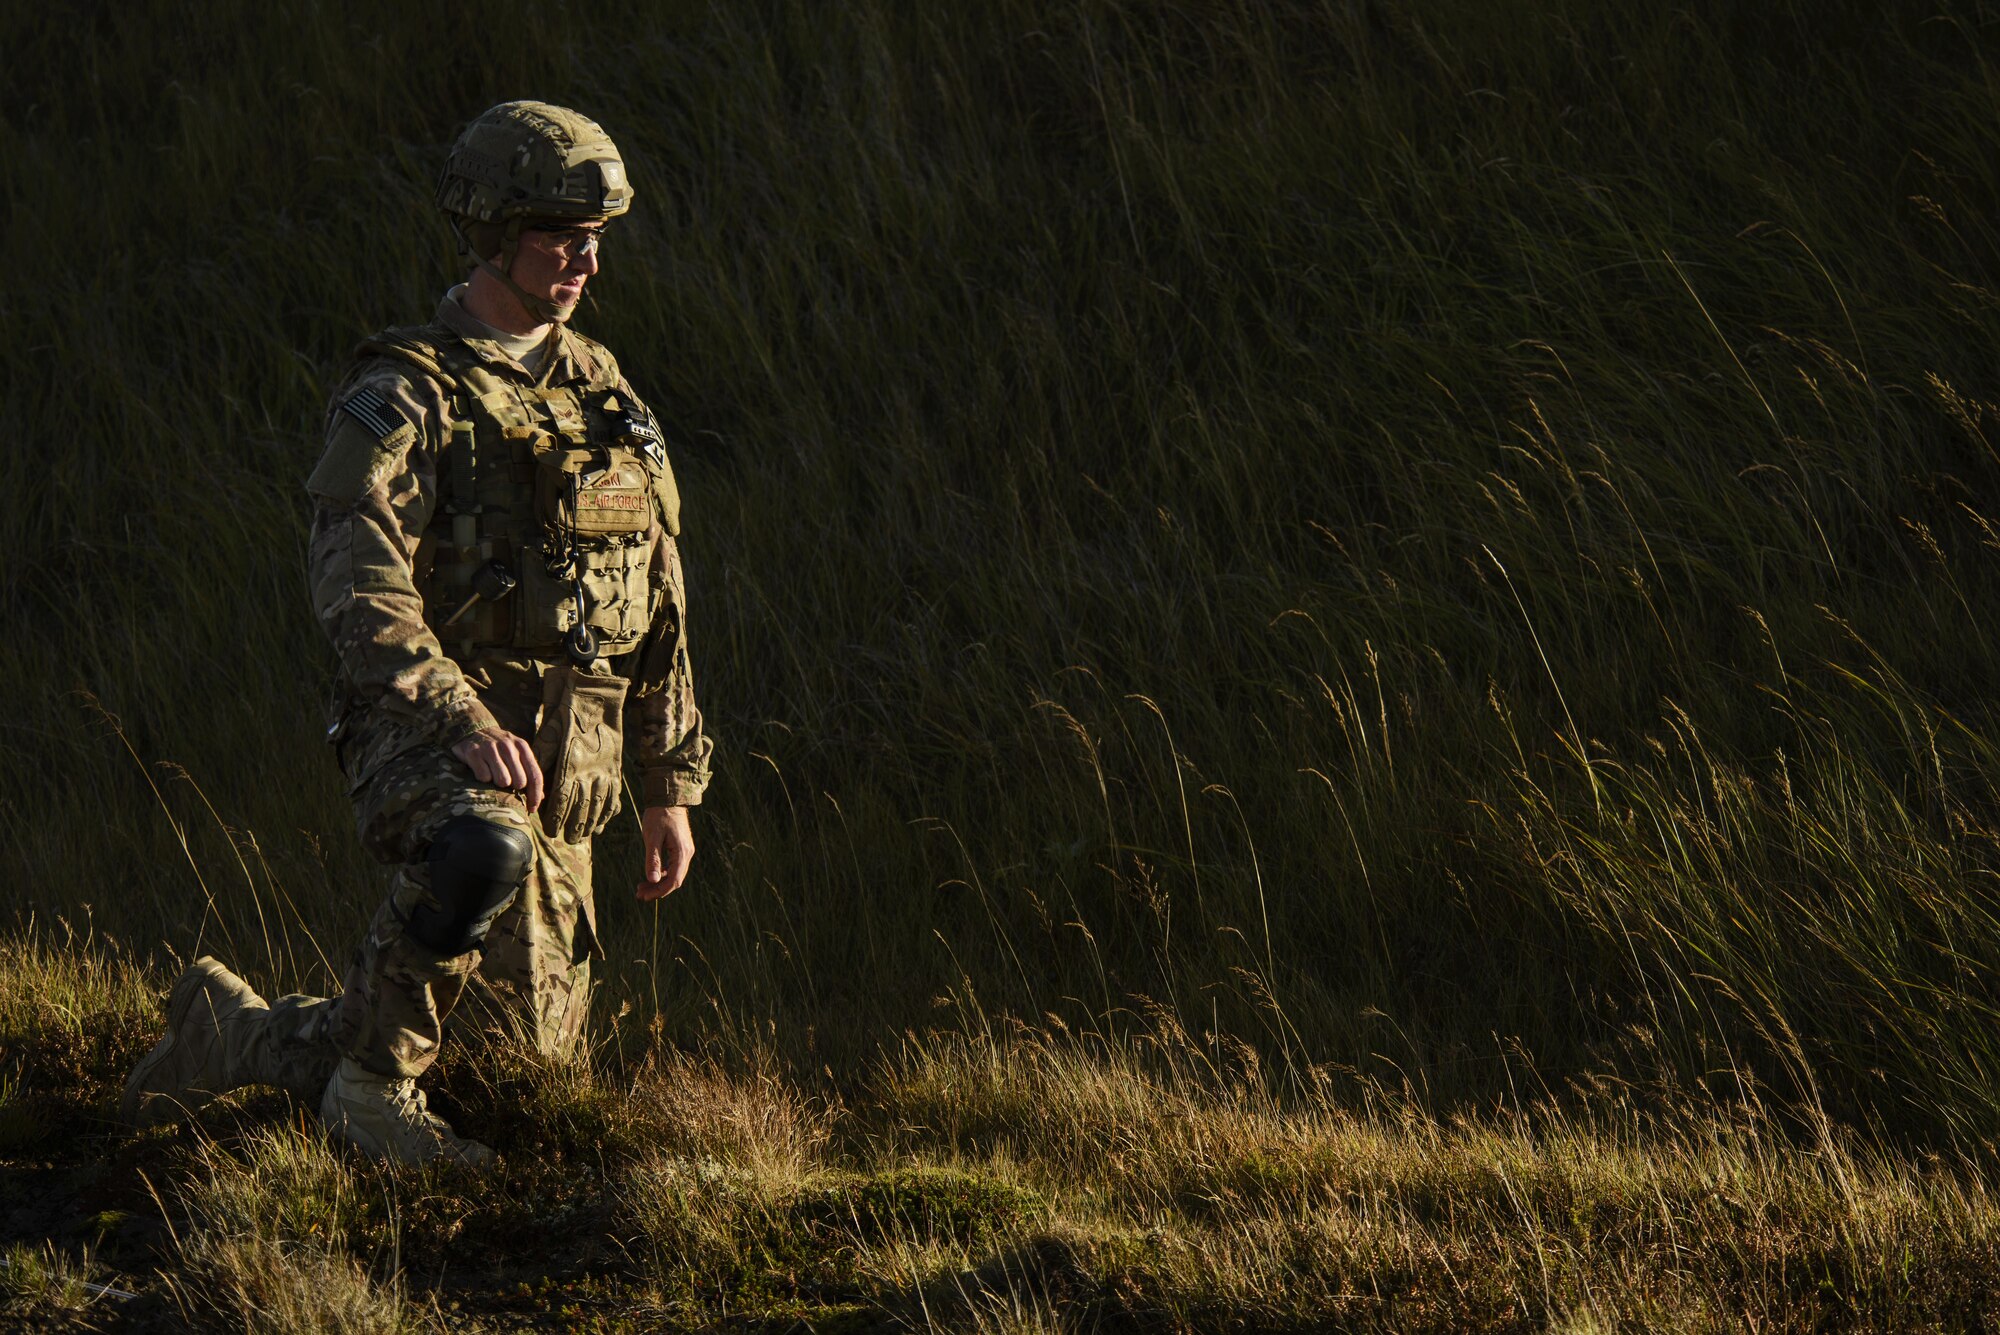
(562, 486)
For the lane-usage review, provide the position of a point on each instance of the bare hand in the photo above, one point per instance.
(669, 849)
(504, 760)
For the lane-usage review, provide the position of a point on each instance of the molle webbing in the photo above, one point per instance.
(440, 354)
(490, 507)
(463, 534)
(463, 484)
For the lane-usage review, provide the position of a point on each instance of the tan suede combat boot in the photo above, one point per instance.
(385, 1118)
(192, 1066)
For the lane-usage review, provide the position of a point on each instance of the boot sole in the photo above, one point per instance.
(143, 1106)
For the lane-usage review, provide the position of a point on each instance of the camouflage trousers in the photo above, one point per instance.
(531, 981)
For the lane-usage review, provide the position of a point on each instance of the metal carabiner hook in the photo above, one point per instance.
(581, 642)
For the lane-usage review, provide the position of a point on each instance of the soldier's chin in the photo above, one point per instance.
(560, 310)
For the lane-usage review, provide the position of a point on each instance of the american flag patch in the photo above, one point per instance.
(374, 412)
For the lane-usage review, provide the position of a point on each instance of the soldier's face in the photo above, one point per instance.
(554, 263)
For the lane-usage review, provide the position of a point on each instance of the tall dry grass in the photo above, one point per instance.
(1420, 542)
(1037, 1181)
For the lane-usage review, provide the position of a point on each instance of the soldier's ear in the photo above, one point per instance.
(486, 239)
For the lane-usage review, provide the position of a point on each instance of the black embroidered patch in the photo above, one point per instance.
(641, 425)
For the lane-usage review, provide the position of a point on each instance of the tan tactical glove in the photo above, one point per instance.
(580, 745)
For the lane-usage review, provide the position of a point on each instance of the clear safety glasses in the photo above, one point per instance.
(569, 243)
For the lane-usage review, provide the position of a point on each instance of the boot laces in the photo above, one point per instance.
(409, 1103)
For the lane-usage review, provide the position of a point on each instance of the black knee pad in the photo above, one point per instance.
(477, 866)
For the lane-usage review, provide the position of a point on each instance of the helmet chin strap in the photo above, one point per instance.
(548, 311)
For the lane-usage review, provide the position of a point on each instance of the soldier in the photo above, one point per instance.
(493, 558)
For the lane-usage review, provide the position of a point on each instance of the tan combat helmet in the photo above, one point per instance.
(522, 162)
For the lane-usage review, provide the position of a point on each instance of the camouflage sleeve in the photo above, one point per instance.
(668, 743)
(372, 496)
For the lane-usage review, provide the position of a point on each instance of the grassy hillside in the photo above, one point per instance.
(1431, 552)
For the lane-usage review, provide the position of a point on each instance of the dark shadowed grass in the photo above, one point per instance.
(1420, 547)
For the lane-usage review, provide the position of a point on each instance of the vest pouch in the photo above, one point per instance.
(618, 588)
(617, 592)
(544, 606)
(593, 492)
(616, 501)
(580, 746)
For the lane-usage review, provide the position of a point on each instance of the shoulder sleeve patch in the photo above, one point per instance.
(368, 407)
(367, 436)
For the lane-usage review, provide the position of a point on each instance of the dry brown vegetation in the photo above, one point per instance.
(1040, 1181)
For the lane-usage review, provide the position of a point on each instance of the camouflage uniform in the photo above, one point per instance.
(402, 702)
(492, 548)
